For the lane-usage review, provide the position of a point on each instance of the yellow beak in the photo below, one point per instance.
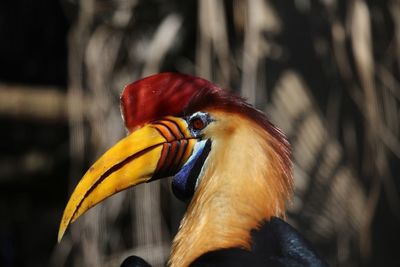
(156, 150)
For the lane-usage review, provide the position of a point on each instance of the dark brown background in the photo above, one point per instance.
(327, 72)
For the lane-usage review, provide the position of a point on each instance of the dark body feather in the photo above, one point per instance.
(275, 244)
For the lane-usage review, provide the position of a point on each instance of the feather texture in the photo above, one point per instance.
(245, 182)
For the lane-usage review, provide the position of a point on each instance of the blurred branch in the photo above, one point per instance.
(261, 18)
(330, 202)
(17, 169)
(384, 133)
(35, 103)
(162, 42)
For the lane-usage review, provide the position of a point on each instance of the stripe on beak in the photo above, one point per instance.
(158, 149)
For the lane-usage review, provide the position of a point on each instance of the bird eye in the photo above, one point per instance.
(197, 124)
(199, 121)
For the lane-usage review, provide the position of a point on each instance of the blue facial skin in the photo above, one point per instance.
(184, 182)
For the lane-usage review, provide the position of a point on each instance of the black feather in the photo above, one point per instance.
(134, 261)
(275, 244)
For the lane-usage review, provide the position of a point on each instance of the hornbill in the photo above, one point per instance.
(226, 159)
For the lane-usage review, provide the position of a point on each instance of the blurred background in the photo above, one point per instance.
(325, 71)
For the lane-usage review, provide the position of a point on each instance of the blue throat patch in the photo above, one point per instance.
(184, 182)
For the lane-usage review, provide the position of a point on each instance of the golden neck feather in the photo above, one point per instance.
(243, 184)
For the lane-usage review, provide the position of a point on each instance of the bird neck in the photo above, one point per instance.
(239, 189)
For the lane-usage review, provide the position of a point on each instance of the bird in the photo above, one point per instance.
(227, 161)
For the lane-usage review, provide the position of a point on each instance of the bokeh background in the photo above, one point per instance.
(325, 71)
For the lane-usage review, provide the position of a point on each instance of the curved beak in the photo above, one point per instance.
(158, 149)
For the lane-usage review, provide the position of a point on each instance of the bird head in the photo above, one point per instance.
(226, 159)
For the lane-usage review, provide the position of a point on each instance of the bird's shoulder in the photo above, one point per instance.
(275, 243)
